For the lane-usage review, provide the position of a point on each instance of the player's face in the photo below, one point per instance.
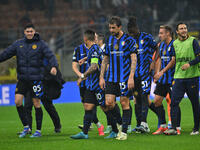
(85, 39)
(182, 31)
(162, 34)
(29, 33)
(114, 29)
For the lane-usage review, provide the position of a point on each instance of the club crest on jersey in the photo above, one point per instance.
(135, 93)
(142, 42)
(123, 43)
(136, 45)
(34, 46)
(116, 46)
(164, 52)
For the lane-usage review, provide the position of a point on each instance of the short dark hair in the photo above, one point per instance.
(132, 24)
(29, 25)
(115, 20)
(179, 24)
(167, 28)
(90, 34)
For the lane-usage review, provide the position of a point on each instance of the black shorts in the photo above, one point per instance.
(162, 89)
(117, 89)
(34, 87)
(82, 93)
(96, 97)
(90, 97)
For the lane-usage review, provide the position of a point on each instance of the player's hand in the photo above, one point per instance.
(102, 83)
(130, 83)
(80, 62)
(157, 76)
(185, 66)
(53, 71)
(79, 81)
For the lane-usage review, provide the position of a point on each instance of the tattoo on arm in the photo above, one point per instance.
(104, 64)
(133, 64)
(91, 69)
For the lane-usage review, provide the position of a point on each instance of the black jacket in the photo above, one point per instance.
(52, 84)
(30, 55)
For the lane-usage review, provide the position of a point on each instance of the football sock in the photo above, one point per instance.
(116, 113)
(138, 113)
(22, 115)
(113, 121)
(108, 118)
(38, 116)
(179, 117)
(131, 111)
(87, 120)
(125, 120)
(94, 112)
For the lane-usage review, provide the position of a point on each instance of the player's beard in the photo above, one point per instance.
(115, 34)
(183, 36)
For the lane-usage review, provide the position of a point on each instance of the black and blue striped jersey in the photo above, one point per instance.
(92, 81)
(119, 51)
(79, 53)
(146, 46)
(166, 53)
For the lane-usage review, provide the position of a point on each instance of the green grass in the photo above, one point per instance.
(71, 115)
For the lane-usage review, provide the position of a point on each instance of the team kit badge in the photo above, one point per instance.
(34, 46)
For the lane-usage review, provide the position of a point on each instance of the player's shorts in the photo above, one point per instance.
(96, 97)
(117, 89)
(35, 87)
(162, 89)
(82, 93)
(142, 87)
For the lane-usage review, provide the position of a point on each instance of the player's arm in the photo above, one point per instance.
(132, 71)
(93, 67)
(154, 61)
(161, 72)
(75, 68)
(104, 65)
(75, 64)
(8, 53)
(133, 50)
(196, 49)
(169, 65)
(158, 65)
(82, 61)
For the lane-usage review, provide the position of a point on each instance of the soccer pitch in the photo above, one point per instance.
(72, 114)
